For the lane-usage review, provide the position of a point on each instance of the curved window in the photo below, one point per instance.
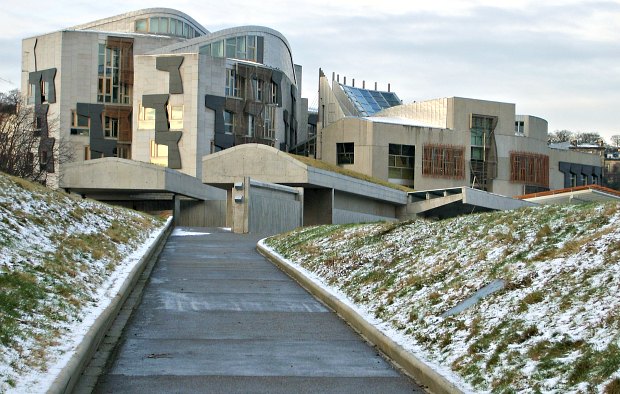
(240, 47)
(166, 26)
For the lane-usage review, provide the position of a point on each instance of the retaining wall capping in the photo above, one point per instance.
(426, 377)
(69, 376)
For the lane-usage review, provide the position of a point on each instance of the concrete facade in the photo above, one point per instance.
(450, 142)
(147, 85)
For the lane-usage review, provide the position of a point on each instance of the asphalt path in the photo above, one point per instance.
(217, 317)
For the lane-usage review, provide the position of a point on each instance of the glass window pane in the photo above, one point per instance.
(163, 25)
(154, 25)
(230, 47)
(173, 26)
(141, 25)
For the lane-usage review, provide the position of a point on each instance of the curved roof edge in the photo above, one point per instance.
(214, 36)
(144, 11)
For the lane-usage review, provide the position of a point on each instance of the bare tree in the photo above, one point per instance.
(589, 138)
(560, 136)
(21, 152)
(615, 140)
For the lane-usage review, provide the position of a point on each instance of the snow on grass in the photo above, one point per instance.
(553, 328)
(62, 260)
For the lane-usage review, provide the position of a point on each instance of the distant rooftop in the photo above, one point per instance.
(368, 102)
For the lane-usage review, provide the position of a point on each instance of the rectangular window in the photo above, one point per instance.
(345, 153)
(401, 160)
(229, 122)
(257, 89)
(530, 168)
(231, 47)
(217, 49)
(273, 93)
(141, 25)
(251, 126)
(231, 83)
(110, 127)
(269, 119)
(159, 154)
(240, 54)
(163, 26)
(519, 127)
(175, 114)
(251, 48)
(80, 125)
(146, 118)
(154, 25)
(443, 161)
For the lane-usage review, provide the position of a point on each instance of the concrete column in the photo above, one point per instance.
(240, 201)
(176, 209)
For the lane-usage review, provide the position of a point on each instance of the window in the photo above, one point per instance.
(80, 125)
(240, 53)
(345, 153)
(401, 161)
(43, 158)
(141, 25)
(175, 114)
(519, 127)
(159, 154)
(481, 129)
(111, 88)
(443, 161)
(257, 89)
(251, 126)
(229, 122)
(251, 48)
(146, 118)
(273, 93)
(110, 127)
(530, 168)
(269, 119)
(154, 25)
(234, 84)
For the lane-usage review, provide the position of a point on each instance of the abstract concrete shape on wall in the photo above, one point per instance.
(99, 145)
(36, 78)
(276, 78)
(40, 112)
(587, 171)
(218, 105)
(46, 149)
(171, 139)
(171, 64)
(158, 102)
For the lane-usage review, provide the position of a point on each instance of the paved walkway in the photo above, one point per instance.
(218, 317)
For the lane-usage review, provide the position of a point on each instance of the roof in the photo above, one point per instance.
(368, 102)
(579, 194)
(268, 164)
(400, 121)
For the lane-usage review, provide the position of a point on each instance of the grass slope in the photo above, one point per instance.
(57, 253)
(555, 327)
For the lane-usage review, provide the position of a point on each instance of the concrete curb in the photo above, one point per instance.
(421, 373)
(69, 376)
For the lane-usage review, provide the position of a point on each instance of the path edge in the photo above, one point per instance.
(425, 376)
(69, 375)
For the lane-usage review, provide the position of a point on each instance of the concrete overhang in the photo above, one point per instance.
(271, 165)
(132, 179)
(443, 203)
(575, 195)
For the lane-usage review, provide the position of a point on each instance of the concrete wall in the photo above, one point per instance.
(203, 213)
(350, 208)
(274, 209)
(264, 208)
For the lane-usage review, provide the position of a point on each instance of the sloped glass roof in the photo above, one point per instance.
(368, 102)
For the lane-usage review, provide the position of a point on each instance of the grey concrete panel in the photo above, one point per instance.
(273, 211)
(342, 216)
(143, 357)
(256, 384)
(171, 64)
(260, 49)
(170, 138)
(156, 323)
(36, 77)
(158, 102)
(99, 145)
(277, 77)
(46, 147)
(218, 105)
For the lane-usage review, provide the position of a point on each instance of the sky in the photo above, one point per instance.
(558, 60)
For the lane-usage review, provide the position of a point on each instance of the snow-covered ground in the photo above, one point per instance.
(62, 260)
(554, 327)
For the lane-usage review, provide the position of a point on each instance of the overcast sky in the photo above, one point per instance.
(558, 60)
